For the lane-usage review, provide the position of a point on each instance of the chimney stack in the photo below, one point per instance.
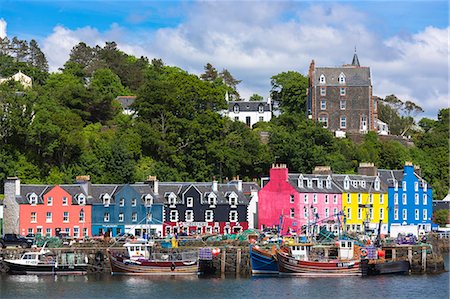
(84, 181)
(417, 170)
(326, 170)
(214, 185)
(368, 169)
(153, 182)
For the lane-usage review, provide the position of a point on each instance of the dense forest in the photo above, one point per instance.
(70, 124)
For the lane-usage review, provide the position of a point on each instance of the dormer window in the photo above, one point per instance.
(377, 184)
(148, 200)
(341, 78)
(33, 199)
(233, 201)
(363, 184)
(106, 200)
(309, 183)
(346, 183)
(300, 182)
(319, 184)
(261, 108)
(328, 183)
(236, 108)
(212, 200)
(172, 200)
(81, 199)
(322, 79)
(355, 184)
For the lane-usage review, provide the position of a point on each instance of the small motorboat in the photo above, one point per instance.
(45, 262)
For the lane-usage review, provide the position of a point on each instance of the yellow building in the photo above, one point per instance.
(364, 202)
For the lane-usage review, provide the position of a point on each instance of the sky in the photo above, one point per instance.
(405, 43)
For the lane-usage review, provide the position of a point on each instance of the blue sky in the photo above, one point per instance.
(404, 42)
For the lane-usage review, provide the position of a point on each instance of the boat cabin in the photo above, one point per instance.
(139, 249)
(346, 249)
(301, 251)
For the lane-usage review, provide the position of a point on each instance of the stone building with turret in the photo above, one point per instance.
(341, 98)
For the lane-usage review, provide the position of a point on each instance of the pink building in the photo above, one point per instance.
(300, 200)
(51, 210)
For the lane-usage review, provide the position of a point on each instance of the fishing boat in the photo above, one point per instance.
(374, 263)
(263, 261)
(45, 262)
(297, 260)
(139, 259)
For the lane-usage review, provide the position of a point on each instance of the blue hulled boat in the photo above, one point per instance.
(263, 261)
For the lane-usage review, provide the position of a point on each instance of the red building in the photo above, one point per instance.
(52, 210)
(277, 199)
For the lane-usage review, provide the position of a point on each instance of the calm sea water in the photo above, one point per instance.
(106, 286)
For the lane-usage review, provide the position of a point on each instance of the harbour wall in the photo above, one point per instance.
(235, 259)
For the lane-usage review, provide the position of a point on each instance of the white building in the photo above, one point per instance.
(382, 128)
(126, 102)
(249, 112)
(21, 78)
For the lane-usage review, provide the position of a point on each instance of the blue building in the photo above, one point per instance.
(129, 208)
(410, 201)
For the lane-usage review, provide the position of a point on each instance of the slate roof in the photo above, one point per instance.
(144, 189)
(97, 190)
(369, 183)
(248, 187)
(390, 176)
(354, 76)
(74, 190)
(126, 101)
(25, 190)
(248, 106)
(164, 189)
(293, 180)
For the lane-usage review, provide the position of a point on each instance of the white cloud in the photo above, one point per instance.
(256, 40)
(2, 28)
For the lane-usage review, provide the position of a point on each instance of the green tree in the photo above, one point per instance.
(397, 114)
(104, 87)
(300, 143)
(393, 155)
(289, 90)
(86, 57)
(210, 73)
(441, 217)
(256, 97)
(36, 57)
